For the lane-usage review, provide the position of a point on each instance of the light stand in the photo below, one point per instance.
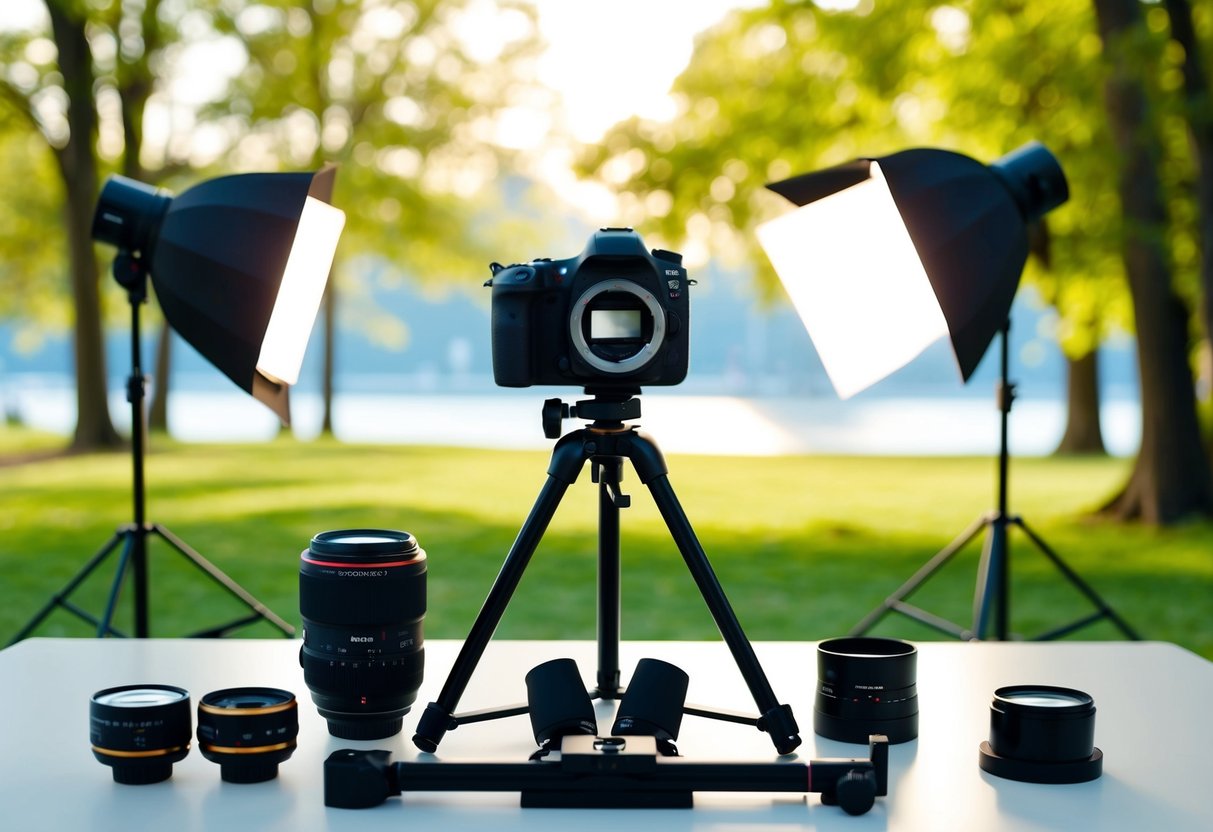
(991, 598)
(605, 443)
(131, 273)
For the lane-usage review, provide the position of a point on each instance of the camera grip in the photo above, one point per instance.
(511, 321)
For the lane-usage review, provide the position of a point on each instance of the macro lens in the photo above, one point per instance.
(140, 731)
(362, 600)
(248, 731)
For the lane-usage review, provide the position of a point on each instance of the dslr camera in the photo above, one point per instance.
(616, 316)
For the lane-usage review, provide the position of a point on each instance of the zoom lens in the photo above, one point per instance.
(248, 731)
(140, 731)
(362, 599)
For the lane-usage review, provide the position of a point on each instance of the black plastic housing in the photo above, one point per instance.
(866, 685)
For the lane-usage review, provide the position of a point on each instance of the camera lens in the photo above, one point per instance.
(140, 731)
(1042, 734)
(557, 702)
(248, 731)
(866, 686)
(362, 600)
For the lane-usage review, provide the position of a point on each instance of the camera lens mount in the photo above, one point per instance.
(617, 325)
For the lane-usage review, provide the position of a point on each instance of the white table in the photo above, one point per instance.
(1154, 725)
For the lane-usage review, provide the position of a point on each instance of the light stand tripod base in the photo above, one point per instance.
(991, 598)
(130, 272)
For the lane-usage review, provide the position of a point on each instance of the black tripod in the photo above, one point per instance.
(605, 443)
(991, 599)
(131, 274)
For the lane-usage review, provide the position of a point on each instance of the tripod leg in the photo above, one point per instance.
(60, 598)
(1081, 585)
(437, 718)
(937, 562)
(776, 719)
(991, 593)
(609, 472)
(132, 539)
(260, 610)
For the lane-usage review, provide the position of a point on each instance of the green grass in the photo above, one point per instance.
(804, 546)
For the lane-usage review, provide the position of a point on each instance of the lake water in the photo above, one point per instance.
(708, 424)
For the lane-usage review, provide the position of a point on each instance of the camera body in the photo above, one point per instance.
(616, 316)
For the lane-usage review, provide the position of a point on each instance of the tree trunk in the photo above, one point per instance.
(78, 168)
(135, 87)
(1083, 434)
(1170, 479)
(1198, 100)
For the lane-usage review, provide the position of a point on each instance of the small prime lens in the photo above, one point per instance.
(362, 600)
(248, 731)
(140, 731)
(1042, 734)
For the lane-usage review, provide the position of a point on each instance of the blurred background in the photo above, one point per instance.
(471, 131)
(478, 131)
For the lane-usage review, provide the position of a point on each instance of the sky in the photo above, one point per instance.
(605, 63)
(605, 66)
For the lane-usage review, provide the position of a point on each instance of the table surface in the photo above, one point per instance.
(1153, 725)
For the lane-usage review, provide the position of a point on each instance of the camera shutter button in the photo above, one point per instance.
(522, 274)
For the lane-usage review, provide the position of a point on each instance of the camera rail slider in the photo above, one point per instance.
(607, 772)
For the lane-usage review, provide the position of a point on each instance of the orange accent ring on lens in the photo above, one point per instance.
(158, 752)
(260, 709)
